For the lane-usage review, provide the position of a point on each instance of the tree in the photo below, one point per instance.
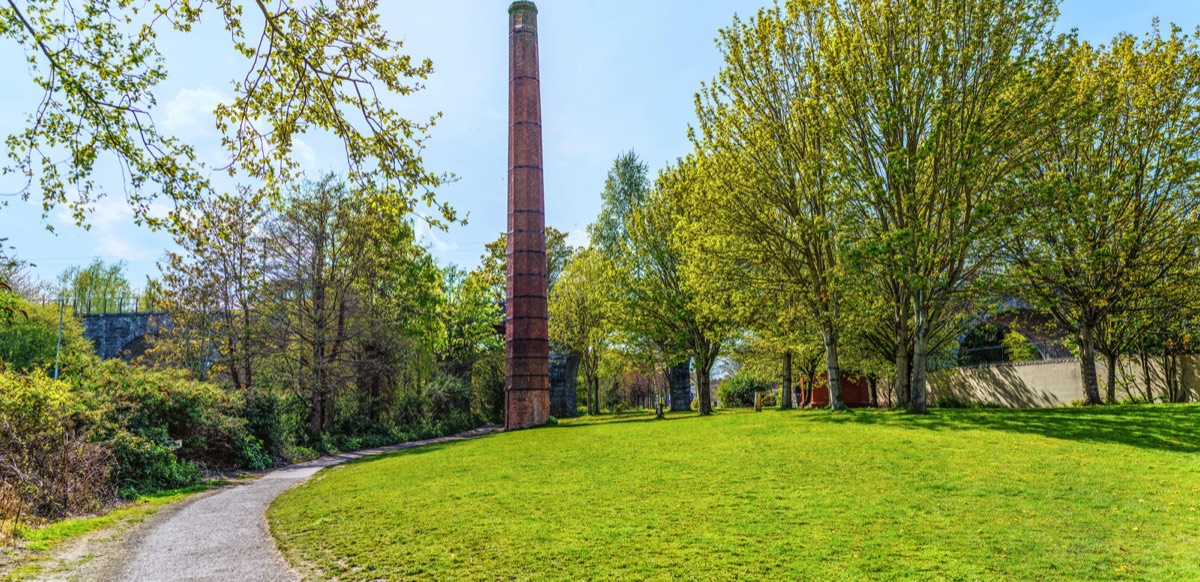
(1109, 214)
(773, 201)
(579, 317)
(655, 308)
(329, 263)
(308, 68)
(29, 337)
(473, 319)
(97, 288)
(625, 189)
(214, 289)
(494, 263)
(939, 102)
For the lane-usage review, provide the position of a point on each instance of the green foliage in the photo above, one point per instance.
(48, 453)
(1019, 348)
(656, 312)
(308, 69)
(1108, 219)
(579, 309)
(29, 337)
(164, 426)
(449, 404)
(739, 391)
(625, 190)
(97, 288)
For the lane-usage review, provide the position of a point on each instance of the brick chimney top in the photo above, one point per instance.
(522, 5)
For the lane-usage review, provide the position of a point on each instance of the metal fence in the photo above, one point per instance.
(124, 303)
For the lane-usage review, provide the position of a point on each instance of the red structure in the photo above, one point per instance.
(527, 345)
(855, 392)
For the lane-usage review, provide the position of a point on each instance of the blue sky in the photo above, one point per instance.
(616, 75)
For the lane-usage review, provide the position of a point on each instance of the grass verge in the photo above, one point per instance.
(1062, 494)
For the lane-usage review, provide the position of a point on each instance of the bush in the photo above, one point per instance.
(48, 461)
(29, 337)
(167, 428)
(448, 398)
(739, 391)
(264, 414)
(148, 462)
(950, 402)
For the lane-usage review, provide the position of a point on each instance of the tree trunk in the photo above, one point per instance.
(1171, 375)
(812, 385)
(785, 396)
(920, 393)
(593, 382)
(1145, 358)
(1111, 380)
(1087, 365)
(587, 393)
(833, 372)
(873, 385)
(704, 387)
(315, 408)
(903, 365)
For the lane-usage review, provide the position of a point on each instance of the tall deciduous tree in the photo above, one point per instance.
(1112, 200)
(939, 103)
(579, 307)
(213, 287)
(772, 199)
(326, 250)
(99, 287)
(656, 306)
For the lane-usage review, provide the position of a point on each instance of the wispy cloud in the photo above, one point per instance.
(579, 237)
(429, 238)
(189, 114)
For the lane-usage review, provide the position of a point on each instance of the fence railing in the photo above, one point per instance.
(116, 304)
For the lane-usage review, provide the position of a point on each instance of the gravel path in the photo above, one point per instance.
(223, 535)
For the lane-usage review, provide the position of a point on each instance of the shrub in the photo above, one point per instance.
(951, 402)
(48, 460)
(739, 391)
(264, 414)
(449, 398)
(165, 427)
(147, 462)
(29, 337)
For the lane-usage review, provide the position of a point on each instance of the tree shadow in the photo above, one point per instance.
(620, 418)
(1170, 427)
(1001, 385)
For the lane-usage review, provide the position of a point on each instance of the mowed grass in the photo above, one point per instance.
(1071, 494)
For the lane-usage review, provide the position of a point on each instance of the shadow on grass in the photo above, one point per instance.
(1161, 427)
(636, 416)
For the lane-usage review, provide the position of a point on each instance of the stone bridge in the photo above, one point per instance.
(121, 335)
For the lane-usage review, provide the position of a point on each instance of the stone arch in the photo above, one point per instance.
(136, 347)
(981, 345)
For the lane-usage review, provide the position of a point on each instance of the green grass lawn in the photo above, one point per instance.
(1071, 494)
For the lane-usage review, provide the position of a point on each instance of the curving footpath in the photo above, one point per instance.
(223, 535)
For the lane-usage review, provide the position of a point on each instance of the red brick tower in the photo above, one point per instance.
(527, 345)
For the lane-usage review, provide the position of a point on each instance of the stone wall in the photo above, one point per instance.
(681, 394)
(564, 370)
(120, 335)
(1052, 383)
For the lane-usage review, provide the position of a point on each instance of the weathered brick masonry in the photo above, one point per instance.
(527, 346)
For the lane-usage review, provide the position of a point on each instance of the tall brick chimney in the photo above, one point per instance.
(527, 345)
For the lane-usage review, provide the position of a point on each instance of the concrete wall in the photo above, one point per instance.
(1053, 383)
